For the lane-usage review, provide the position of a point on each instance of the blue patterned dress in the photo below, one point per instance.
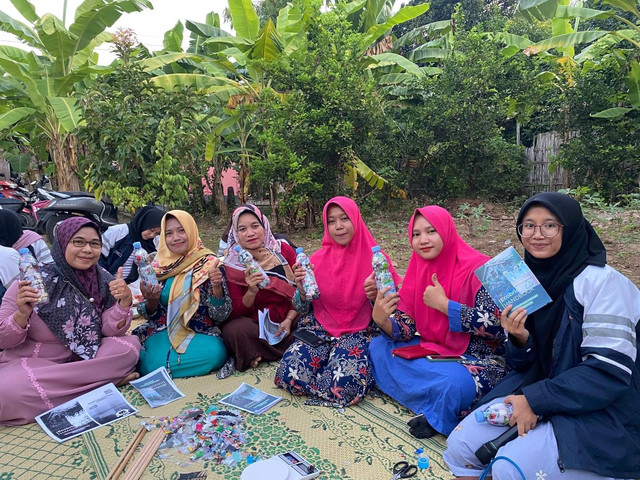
(337, 373)
(443, 391)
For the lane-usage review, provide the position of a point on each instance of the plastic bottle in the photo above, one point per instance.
(145, 269)
(250, 264)
(29, 271)
(496, 414)
(383, 275)
(422, 459)
(309, 284)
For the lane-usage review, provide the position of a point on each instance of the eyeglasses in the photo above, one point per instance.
(81, 243)
(548, 230)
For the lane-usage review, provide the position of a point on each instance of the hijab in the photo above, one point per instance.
(269, 257)
(10, 228)
(144, 219)
(580, 247)
(77, 298)
(188, 271)
(455, 267)
(341, 270)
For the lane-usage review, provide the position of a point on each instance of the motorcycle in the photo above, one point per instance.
(69, 204)
(15, 197)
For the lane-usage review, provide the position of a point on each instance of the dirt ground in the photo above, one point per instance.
(488, 227)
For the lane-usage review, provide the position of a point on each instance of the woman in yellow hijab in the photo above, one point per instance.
(183, 312)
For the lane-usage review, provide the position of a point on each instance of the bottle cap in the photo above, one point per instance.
(423, 463)
(375, 249)
(23, 250)
(299, 249)
(237, 248)
(137, 245)
(479, 416)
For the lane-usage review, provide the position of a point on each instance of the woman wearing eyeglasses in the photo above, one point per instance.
(74, 343)
(575, 389)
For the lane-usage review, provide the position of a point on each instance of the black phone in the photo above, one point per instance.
(446, 358)
(308, 337)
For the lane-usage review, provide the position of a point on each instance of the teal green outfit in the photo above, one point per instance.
(206, 351)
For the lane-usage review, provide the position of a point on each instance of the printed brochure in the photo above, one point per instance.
(509, 281)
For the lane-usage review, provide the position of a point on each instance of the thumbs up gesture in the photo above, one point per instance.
(120, 290)
(435, 297)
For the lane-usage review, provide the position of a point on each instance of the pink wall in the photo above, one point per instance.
(229, 179)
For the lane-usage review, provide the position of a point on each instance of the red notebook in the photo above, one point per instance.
(413, 351)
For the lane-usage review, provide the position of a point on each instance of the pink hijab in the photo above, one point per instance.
(454, 266)
(341, 271)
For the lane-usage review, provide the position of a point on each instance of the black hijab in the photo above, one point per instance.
(144, 219)
(10, 228)
(581, 247)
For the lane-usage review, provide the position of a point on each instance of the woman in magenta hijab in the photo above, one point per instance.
(335, 371)
(443, 302)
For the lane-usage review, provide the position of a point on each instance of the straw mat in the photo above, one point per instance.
(362, 442)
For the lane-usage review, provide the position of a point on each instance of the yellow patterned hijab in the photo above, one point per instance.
(189, 272)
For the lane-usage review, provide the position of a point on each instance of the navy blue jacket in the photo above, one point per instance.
(592, 396)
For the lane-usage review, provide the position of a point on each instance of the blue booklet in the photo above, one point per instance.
(509, 281)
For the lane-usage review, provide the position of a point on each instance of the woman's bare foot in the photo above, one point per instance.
(128, 378)
(254, 363)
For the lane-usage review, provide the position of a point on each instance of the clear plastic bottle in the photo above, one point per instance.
(496, 414)
(381, 270)
(250, 264)
(309, 284)
(422, 459)
(145, 269)
(29, 271)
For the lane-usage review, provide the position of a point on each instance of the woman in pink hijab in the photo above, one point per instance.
(335, 370)
(443, 302)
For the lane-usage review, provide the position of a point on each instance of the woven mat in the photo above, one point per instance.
(356, 443)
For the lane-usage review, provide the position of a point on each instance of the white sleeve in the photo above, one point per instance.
(8, 266)
(43, 254)
(111, 237)
(611, 313)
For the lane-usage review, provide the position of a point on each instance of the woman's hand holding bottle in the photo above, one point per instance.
(26, 300)
(151, 294)
(383, 308)
(299, 273)
(253, 280)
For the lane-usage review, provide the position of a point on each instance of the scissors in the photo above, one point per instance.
(404, 470)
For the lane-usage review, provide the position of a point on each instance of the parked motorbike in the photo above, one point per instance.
(15, 197)
(69, 204)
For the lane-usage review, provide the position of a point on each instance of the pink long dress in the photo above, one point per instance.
(37, 372)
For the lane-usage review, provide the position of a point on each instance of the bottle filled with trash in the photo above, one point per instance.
(28, 267)
(250, 264)
(309, 284)
(145, 269)
(381, 271)
(496, 414)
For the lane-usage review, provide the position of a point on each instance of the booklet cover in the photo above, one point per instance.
(87, 412)
(250, 399)
(157, 388)
(509, 281)
(268, 328)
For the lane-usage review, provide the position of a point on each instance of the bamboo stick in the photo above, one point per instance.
(142, 460)
(126, 455)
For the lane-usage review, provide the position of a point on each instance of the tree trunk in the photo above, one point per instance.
(243, 194)
(275, 205)
(217, 190)
(63, 152)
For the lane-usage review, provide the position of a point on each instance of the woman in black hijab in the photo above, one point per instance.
(12, 235)
(117, 241)
(575, 388)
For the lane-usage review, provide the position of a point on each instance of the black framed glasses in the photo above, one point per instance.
(548, 230)
(81, 243)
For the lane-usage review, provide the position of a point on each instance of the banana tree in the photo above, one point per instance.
(42, 86)
(566, 35)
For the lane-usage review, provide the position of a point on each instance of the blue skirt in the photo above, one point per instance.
(438, 390)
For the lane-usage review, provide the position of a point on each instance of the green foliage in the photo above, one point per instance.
(146, 143)
(605, 157)
(456, 131)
